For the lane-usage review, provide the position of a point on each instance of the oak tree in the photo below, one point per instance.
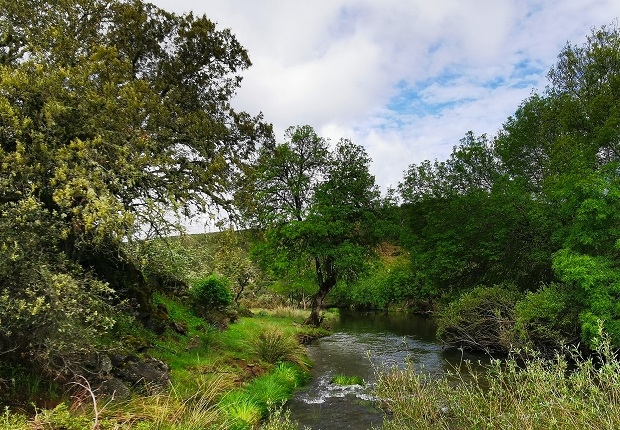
(113, 115)
(319, 207)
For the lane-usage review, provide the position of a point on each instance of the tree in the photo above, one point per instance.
(318, 207)
(549, 214)
(112, 116)
(472, 223)
(233, 262)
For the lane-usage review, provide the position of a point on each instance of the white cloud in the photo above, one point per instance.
(339, 65)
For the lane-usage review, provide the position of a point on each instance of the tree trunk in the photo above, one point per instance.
(315, 314)
(327, 280)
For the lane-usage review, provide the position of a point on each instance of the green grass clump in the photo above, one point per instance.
(345, 380)
(241, 410)
(245, 407)
(537, 394)
(274, 346)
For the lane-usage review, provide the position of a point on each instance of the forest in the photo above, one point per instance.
(116, 125)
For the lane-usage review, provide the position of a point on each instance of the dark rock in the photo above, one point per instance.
(245, 312)
(117, 360)
(104, 364)
(151, 372)
(162, 308)
(113, 387)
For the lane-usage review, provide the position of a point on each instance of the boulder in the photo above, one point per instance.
(150, 372)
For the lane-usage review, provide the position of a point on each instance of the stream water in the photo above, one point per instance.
(361, 343)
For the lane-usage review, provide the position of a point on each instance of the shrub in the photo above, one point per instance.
(280, 420)
(537, 393)
(548, 318)
(481, 319)
(212, 292)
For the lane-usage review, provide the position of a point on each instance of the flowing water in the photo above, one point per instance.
(361, 343)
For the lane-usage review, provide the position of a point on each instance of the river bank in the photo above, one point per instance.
(232, 378)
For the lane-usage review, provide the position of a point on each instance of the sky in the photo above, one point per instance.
(407, 79)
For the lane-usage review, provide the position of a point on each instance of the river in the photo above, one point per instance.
(362, 342)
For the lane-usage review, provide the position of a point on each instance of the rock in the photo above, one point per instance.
(193, 343)
(151, 372)
(104, 364)
(245, 312)
(113, 387)
(117, 360)
(162, 308)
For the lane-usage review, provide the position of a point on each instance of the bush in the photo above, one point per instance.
(548, 318)
(482, 319)
(212, 292)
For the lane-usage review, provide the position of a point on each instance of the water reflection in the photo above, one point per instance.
(362, 343)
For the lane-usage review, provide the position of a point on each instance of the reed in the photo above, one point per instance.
(538, 393)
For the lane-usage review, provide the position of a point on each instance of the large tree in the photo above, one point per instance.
(548, 211)
(318, 206)
(113, 115)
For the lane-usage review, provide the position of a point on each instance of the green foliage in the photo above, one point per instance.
(60, 417)
(319, 208)
(470, 224)
(548, 318)
(211, 292)
(536, 205)
(347, 380)
(12, 421)
(111, 118)
(387, 283)
(483, 318)
(536, 393)
(598, 282)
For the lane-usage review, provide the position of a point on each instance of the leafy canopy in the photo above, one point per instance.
(318, 206)
(113, 114)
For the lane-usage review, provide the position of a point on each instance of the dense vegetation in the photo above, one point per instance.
(557, 393)
(115, 123)
(532, 212)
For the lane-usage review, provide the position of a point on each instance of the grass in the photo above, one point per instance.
(19, 386)
(345, 380)
(240, 409)
(536, 394)
(217, 380)
(245, 407)
(274, 346)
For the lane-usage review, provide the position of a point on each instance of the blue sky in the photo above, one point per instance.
(405, 78)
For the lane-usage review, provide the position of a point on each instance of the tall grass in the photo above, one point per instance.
(274, 346)
(245, 407)
(567, 392)
(158, 411)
